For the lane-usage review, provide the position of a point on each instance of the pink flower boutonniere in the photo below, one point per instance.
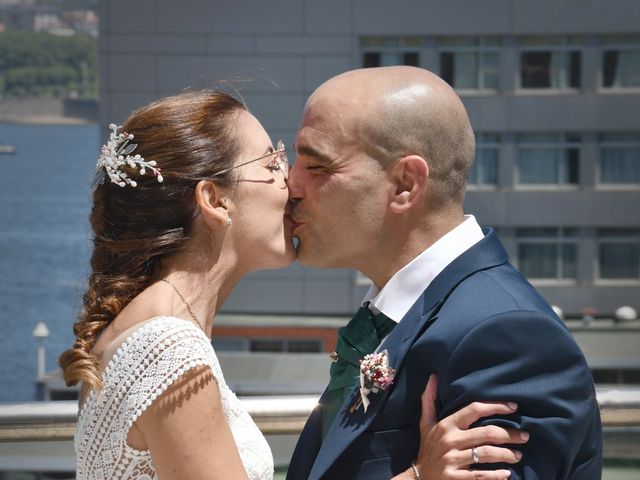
(375, 375)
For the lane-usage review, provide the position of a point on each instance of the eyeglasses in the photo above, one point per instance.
(280, 162)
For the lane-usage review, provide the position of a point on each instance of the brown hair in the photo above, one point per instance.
(190, 136)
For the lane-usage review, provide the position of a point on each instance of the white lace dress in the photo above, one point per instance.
(146, 364)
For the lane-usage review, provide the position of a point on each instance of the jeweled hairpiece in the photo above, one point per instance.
(117, 153)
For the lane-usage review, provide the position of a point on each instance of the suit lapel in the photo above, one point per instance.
(308, 444)
(347, 426)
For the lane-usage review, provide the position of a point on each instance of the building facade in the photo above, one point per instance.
(552, 88)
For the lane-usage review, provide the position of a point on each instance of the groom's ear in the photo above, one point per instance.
(212, 203)
(410, 175)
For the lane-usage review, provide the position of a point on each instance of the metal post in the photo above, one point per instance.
(40, 333)
(41, 366)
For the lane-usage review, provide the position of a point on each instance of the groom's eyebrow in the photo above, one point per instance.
(309, 151)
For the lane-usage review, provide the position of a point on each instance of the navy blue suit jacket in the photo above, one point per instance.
(488, 335)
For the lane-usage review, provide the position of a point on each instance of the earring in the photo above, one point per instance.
(228, 221)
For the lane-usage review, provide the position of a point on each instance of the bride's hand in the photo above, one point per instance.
(449, 447)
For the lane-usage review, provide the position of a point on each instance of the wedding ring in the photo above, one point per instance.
(416, 472)
(474, 455)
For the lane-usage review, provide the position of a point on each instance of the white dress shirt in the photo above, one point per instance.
(405, 287)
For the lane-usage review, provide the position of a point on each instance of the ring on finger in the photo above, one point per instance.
(474, 455)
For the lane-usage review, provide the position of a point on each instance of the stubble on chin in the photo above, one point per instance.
(301, 252)
(305, 255)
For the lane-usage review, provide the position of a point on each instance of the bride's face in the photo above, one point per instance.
(261, 226)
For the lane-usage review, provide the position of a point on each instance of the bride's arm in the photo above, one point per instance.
(445, 446)
(186, 431)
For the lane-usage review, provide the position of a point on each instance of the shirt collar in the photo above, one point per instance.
(403, 289)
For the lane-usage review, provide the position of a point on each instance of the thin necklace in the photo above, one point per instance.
(193, 315)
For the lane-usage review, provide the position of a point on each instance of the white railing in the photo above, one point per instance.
(38, 436)
(41, 421)
(620, 407)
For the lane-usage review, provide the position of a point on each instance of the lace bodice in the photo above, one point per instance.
(146, 364)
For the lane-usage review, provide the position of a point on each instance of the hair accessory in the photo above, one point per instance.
(117, 153)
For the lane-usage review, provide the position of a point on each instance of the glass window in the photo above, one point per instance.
(411, 58)
(267, 345)
(620, 158)
(470, 63)
(624, 39)
(620, 61)
(385, 51)
(413, 41)
(370, 59)
(385, 59)
(458, 41)
(540, 40)
(548, 253)
(613, 376)
(379, 41)
(621, 68)
(552, 64)
(291, 345)
(304, 345)
(484, 170)
(619, 254)
(548, 159)
(229, 344)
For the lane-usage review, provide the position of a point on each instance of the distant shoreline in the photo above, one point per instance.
(45, 120)
(49, 111)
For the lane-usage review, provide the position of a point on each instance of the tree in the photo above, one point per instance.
(33, 64)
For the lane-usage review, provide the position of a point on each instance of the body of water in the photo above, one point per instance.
(45, 190)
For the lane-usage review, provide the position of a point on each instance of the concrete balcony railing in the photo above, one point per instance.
(42, 421)
(30, 432)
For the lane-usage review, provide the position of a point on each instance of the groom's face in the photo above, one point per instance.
(338, 193)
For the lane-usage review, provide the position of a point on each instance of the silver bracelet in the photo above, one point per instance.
(416, 472)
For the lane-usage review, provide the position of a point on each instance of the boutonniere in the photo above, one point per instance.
(375, 375)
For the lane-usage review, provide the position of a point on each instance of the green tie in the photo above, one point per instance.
(360, 337)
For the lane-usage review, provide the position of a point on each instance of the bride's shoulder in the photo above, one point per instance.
(142, 333)
(168, 324)
(161, 326)
(159, 351)
(163, 336)
(166, 330)
(156, 356)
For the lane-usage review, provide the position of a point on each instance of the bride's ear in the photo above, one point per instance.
(213, 204)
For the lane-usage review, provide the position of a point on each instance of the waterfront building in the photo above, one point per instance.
(552, 88)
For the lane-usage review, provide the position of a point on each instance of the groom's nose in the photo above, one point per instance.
(295, 182)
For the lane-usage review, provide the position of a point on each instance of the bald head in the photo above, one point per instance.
(399, 111)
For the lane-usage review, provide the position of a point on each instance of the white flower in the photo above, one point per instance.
(117, 153)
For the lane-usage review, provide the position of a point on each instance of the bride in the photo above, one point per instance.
(190, 196)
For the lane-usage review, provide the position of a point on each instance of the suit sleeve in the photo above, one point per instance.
(532, 359)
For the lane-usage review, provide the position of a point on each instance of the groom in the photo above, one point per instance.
(383, 157)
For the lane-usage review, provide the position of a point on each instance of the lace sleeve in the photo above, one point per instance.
(147, 363)
(156, 357)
